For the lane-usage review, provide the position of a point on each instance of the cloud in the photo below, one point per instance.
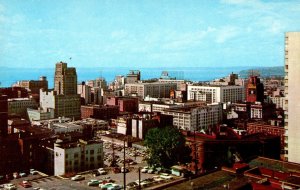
(2, 8)
(235, 2)
(226, 33)
(182, 41)
(119, 34)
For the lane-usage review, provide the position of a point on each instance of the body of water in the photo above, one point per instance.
(8, 76)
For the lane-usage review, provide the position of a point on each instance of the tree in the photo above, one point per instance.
(166, 147)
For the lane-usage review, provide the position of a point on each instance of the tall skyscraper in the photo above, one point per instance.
(65, 80)
(64, 99)
(255, 90)
(292, 89)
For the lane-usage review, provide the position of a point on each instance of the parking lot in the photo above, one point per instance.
(134, 159)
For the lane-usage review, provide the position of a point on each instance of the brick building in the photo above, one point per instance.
(126, 104)
(227, 147)
(99, 112)
(261, 127)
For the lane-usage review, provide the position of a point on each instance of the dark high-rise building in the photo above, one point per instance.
(65, 79)
(255, 90)
(3, 115)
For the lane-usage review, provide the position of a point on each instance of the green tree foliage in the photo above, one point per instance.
(167, 147)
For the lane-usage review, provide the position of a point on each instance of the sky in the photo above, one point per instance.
(145, 33)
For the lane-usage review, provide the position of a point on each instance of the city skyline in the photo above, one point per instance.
(225, 33)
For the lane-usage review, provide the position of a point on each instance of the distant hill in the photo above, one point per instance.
(264, 72)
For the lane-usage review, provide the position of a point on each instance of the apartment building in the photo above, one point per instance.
(292, 104)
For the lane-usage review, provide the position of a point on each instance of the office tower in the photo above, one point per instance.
(3, 115)
(65, 79)
(133, 76)
(215, 93)
(292, 89)
(64, 99)
(255, 90)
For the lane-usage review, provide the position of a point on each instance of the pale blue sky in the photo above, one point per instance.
(145, 33)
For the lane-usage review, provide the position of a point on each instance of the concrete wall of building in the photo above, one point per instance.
(19, 106)
(216, 94)
(292, 61)
(83, 156)
(59, 161)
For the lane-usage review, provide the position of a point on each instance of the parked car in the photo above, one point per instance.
(93, 182)
(102, 171)
(33, 172)
(116, 170)
(95, 173)
(150, 171)
(23, 174)
(145, 169)
(133, 163)
(10, 186)
(26, 184)
(77, 178)
(165, 176)
(124, 170)
(110, 186)
(16, 175)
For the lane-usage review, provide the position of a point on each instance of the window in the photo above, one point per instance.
(91, 151)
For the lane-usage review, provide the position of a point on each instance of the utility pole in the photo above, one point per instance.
(140, 178)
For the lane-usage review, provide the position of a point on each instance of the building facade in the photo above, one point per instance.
(19, 106)
(133, 76)
(216, 94)
(195, 118)
(77, 156)
(154, 90)
(40, 114)
(255, 90)
(292, 88)
(126, 104)
(65, 79)
(99, 112)
(85, 93)
(63, 105)
(33, 86)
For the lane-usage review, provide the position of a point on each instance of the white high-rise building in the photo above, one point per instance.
(195, 118)
(216, 94)
(292, 89)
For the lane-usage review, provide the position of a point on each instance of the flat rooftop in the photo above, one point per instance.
(215, 180)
